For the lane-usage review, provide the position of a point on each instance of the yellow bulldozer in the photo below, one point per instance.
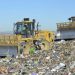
(26, 35)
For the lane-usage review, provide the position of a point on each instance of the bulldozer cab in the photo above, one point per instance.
(25, 28)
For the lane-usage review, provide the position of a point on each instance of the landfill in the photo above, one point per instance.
(59, 60)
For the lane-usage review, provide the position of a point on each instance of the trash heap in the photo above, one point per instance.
(60, 60)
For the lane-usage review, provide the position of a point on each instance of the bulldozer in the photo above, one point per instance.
(25, 36)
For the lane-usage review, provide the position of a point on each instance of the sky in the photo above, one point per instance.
(46, 12)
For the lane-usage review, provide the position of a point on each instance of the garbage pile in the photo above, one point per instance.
(3, 70)
(60, 60)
